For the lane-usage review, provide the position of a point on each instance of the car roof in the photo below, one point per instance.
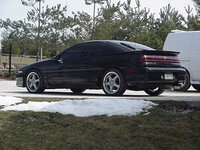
(134, 45)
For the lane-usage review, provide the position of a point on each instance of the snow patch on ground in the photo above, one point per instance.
(88, 107)
(9, 100)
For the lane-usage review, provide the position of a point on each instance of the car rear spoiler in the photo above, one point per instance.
(155, 52)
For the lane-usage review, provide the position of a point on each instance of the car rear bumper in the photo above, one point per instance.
(155, 77)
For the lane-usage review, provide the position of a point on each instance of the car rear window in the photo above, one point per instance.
(135, 46)
(102, 48)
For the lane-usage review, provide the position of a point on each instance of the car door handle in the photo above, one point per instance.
(84, 53)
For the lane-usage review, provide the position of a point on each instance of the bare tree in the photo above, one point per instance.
(90, 2)
(32, 3)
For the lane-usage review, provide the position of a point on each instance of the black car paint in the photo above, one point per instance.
(77, 67)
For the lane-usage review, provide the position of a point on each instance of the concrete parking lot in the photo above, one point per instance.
(9, 88)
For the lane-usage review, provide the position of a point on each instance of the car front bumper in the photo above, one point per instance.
(20, 79)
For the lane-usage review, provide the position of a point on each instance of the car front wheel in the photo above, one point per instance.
(34, 82)
(113, 83)
(155, 91)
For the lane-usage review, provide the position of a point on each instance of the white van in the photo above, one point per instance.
(188, 44)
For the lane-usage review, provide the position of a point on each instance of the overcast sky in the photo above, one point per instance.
(14, 10)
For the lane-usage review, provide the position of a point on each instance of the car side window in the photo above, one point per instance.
(73, 53)
(94, 49)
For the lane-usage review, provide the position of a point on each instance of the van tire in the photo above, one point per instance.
(154, 92)
(196, 87)
(186, 84)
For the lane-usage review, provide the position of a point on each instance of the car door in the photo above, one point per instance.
(92, 62)
(67, 70)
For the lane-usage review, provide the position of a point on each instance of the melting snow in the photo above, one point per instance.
(84, 108)
(9, 100)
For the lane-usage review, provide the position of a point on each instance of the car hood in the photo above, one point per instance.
(35, 65)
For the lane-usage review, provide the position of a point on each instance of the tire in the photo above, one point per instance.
(186, 84)
(113, 83)
(34, 82)
(154, 92)
(77, 91)
(196, 87)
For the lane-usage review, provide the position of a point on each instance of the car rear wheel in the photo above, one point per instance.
(77, 91)
(196, 86)
(155, 91)
(34, 82)
(113, 82)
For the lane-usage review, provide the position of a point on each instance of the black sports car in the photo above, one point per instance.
(113, 66)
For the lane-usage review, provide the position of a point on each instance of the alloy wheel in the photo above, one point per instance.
(111, 82)
(33, 82)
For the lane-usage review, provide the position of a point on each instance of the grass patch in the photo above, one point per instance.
(166, 127)
(40, 99)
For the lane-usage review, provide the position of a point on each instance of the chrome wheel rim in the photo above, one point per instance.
(111, 82)
(33, 81)
(154, 90)
(183, 83)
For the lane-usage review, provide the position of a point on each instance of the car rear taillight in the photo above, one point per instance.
(158, 59)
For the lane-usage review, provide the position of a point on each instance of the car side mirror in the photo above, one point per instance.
(58, 59)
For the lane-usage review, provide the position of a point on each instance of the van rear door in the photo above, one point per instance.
(195, 56)
(179, 42)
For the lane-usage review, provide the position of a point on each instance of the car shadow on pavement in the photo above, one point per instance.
(93, 94)
(47, 93)
(190, 91)
(103, 95)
